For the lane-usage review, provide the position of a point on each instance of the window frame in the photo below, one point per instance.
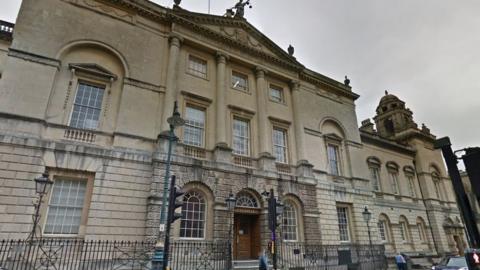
(336, 147)
(75, 176)
(241, 75)
(205, 216)
(296, 225)
(280, 89)
(348, 222)
(383, 224)
(198, 107)
(437, 184)
(196, 73)
(285, 147)
(101, 114)
(249, 133)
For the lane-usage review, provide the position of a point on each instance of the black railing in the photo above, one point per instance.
(6, 29)
(294, 255)
(66, 254)
(63, 254)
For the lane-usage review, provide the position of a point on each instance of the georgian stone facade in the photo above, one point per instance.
(257, 119)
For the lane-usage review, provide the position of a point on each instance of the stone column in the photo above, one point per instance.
(304, 168)
(221, 130)
(171, 83)
(266, 159)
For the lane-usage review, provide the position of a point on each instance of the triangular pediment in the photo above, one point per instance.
(238, 31)
(93, 69)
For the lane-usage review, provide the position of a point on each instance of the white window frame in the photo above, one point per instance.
(337, 160)
(411, 185)
(437, 185)
(404, 235)
(286, 224)
(100, 86)
(283, 148)
(242, 76)
(194, 61)
(382, 226)
(271, 89)
(346, 211)
(375, 177)
(196, 126)
(393, 175)
(247, 138)
(205, 214)
(57, 175)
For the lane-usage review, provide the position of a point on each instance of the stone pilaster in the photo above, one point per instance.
(171, 82)
(297, 123)
(222, 153)
(221, 135)
(264, 135)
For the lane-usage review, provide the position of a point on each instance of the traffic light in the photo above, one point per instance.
(173, 203)
(275, 209)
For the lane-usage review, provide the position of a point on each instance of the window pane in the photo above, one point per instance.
(344, 231)
(280, 145)
(276, 93)
(66, 206)
(194, 129)
(375, 176)
(333, 159)
(241, 137)
(394, 180)
(289, 227)
(239, 81)
(192, 223)
(381, 230)
(87, 106)
(411, 186)
(197, 66)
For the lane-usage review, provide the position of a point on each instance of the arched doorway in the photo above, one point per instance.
(246, 227)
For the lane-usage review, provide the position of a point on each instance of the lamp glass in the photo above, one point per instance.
(43, 184)
(176, 120)
(367, 215)
(280, 207)
(231, 202)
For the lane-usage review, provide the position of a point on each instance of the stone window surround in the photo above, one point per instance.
(349, 215)
(335, 140)
(209, 206)
(374, 162)
(240, 74)
(201, 103)
(276, 87)
(197, 56)
(73, 175)
(295, 202)
(404, 228)
(276, 123)
(388, 229)
(92, 78)
(245, 114)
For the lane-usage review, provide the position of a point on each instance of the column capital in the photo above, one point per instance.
(221, 57)
(260, 72)
(175, 39)
(294, 85)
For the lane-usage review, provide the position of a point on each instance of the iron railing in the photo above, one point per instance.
(295, 255)
(71, 254)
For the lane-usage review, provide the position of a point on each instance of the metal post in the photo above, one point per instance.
(171, 138)
(371, 246)
(273, 205)
(166, 248)
(230, 240)
(462, 199)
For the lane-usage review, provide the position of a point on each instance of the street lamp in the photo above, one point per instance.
(367, 216)
(42, 187)
(231, 203)
(175, 121)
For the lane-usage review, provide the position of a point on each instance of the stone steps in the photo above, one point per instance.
(246, 265)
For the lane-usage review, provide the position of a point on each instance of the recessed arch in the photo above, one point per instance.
(94, 43)
(330, 125)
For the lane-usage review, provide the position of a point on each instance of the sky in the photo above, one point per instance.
(427, 52)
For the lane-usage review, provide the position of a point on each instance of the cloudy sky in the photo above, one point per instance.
(427, 52)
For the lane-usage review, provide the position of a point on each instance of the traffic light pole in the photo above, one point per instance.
(171, 217)
(272, 224)
(462, 199)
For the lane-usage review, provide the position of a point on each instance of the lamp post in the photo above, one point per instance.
(175, 121)
(42, 187)
(367, 216)
(231, 202)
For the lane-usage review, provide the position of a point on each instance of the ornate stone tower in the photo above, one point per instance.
(393, 117)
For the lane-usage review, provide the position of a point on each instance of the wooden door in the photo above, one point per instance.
(245, 245)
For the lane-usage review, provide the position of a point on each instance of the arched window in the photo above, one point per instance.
(374, 168)
(393, 174)
(193, 215)
(384, 229)
(289, 224)
(422, 235)
(404, 229)
(246, 200)
(410, 175)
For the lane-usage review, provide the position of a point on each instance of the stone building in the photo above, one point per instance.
(86, 90)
